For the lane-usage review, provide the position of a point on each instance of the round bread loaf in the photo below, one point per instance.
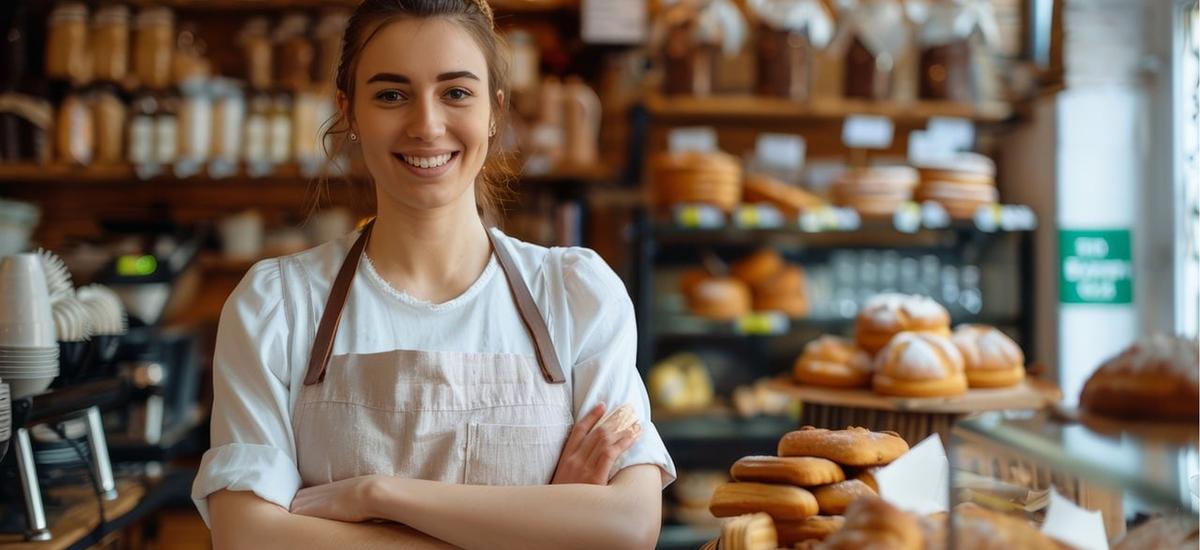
(919, 364)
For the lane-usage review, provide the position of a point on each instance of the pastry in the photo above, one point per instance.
(689, 279)
(721, 298)
(833, 499)
(872, 524)
(780, 501)
(867, 475)
(976, 527)
(852, 446)
(696, 488)
(991, 359)
(886, 315)
(832, 361)
(1164, 533)
(749, 532)
(791, 200)
(1155, 379)
(791, 532)
(962, 168)
(919, 364)
(694, 177)
(783, 291)
(876, 190)
(758, 267)
(805, 471)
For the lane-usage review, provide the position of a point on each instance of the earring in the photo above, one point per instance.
(492, 130)
(353, 136)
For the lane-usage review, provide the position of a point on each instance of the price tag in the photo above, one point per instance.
(923, 148)
(757, 216)
(825, 218)
(698, 216)
(987, 218)
(867, 132)
(951, 134)
(762, 323)
(1017, 218)
(701, 139)
(934, 215)
(782, 151)
(613, 21)
(907, 218)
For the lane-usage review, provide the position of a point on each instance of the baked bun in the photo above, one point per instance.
(833, 361)
(872, 524)
(749, 532)
(783, 291)
(834, 498)
(875, 190)
(780, 501)
(1163, 533)
(791, 532)
(1155, 379)
(978, 528)
(919, 364)
(853, 446)
(693, 177)
(758, 267)
(791, 200)
(803, 471)
(886, 315)
(721, 298)
(990, 357)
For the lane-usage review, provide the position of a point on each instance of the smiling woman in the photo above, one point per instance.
(455, 390)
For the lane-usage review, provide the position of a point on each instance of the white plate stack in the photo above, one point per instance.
(28, 339)
(5, 418)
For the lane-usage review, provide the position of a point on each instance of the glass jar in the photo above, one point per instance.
(188, 62)
(108, 111)
(67, 54)
(110, 43)
(295, 53)
(166, 130)
(279, 149)
(76, 140)
(256, 45)
(879, 33)
(945, 54)
(141, 130)
(229, 113)
(329, 45)
(256, 136)
(154, 46)
(195, 121)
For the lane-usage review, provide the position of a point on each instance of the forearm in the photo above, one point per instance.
(242, 520)
(624, 514)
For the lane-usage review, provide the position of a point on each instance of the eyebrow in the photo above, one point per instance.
(401, 79)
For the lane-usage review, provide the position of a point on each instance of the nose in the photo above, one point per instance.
(427, 122)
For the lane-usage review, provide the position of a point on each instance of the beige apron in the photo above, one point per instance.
(474, 418)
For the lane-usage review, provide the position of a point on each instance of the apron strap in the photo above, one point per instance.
(322, 347)
(530, 315)
(332, 316)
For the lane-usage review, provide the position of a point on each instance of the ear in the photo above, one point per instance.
(343, 104)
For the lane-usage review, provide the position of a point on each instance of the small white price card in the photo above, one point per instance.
(613, 21)
(783, 151)
(701, 139)
(952, 134)
(867, 132)
(934, 215)
(762, 323)
(907, 218)
(757, 216)
(698, 216)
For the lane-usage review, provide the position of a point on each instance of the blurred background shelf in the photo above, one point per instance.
(501, 7)
(718, 440)
(746, 107)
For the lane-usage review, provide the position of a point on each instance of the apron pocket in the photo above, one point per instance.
(505, 454)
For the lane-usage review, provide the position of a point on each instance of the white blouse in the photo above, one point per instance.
(268, 324)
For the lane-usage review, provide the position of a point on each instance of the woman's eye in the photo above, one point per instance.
(389, 96)
(458, 94)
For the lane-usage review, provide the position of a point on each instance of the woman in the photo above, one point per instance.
(415, 384)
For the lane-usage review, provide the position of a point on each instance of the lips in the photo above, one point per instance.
(426, 161)
(427, 164)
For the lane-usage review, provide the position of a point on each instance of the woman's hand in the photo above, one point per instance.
(346, 500)
(592, 449)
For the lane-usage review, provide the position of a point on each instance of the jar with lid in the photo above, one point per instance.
(108, 111)
(256, 135)
(295, 53)
(789, 34)
(188, 63)
(306, 127)
(255, 40)
(329, 44)
(279, 140)
(154, 45)
(67, 55)
(76, 139)
(140, 149)
(195, 122)
(876, 36)
(229, 113)
(945, 53)
(110, 43)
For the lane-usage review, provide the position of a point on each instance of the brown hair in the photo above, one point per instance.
(476, 18)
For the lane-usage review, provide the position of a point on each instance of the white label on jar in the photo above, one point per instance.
(197, 122)
(166, 132)
(256, 139)
(281, 139)
(227, 135)
(141, 140)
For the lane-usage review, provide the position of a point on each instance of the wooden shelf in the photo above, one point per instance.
(751, 108)
(501, 7)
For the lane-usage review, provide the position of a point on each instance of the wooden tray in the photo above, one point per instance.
(1030, 394)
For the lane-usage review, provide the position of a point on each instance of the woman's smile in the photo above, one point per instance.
(427, 164)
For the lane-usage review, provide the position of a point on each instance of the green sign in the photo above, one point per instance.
(1096, 266)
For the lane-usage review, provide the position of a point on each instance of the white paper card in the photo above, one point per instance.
(953, 134)
(918, 481)
(784, 151)
(867, 132)
(613, 21)
(1068, 523)
(698, 138)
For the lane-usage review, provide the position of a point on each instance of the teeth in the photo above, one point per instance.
(427, 162)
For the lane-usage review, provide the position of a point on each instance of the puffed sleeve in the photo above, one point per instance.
(604, 339)
(252, 444)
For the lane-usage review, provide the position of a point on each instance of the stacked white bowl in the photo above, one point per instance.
(5, 416)
(28, 339)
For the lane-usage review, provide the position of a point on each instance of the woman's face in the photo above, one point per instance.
(422, 112)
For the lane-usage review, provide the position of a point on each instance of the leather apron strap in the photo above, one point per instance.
(322, 347)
